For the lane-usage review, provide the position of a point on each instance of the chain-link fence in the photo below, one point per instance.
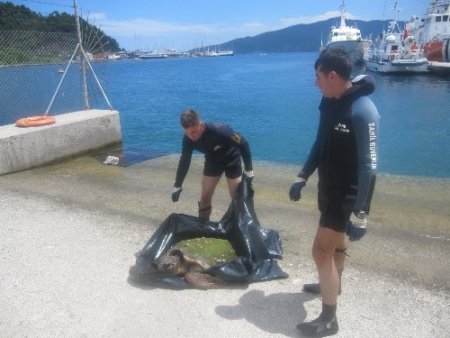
(33, 65)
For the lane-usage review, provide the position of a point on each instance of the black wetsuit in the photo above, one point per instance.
(223, 148)
(345, 153)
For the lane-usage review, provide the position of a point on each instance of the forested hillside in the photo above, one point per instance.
(20, 18)
(299, 38)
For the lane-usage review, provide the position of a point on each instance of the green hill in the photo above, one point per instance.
(20, 18)
(298, 38)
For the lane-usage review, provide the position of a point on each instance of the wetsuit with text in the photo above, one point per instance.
(346, 150)
(223, 149)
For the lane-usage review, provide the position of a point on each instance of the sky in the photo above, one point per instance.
(187, 24)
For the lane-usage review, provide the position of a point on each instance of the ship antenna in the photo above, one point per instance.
(342, 8)
(384, 15)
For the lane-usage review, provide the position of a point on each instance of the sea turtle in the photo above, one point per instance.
(191, 268)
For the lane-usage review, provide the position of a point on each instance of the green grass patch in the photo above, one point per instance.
(212, 250)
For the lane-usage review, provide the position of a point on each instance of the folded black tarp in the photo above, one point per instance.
(256, 249)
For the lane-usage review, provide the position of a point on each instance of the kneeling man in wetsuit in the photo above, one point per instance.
(223, 149)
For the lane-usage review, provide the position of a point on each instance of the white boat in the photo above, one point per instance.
(225, 53)
(213, 53)
(348, 38)
(433, 31)
(151, 55)
(396, 51)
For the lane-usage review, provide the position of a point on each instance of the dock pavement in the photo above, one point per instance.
(69, 232)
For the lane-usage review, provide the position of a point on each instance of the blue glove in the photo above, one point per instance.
(176, 193)
(356, 226)
(296, 189)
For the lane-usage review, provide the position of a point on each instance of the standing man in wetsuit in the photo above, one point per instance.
(345, 153)
(223, 149)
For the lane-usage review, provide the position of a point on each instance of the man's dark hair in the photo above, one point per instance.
(334, 59)
(189, 118)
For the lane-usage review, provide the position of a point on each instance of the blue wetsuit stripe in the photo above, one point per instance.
(365, 122)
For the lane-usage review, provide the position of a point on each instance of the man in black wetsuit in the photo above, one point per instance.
(345, 153)
(223, 149)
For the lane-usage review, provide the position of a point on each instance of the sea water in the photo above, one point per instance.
(273, 101)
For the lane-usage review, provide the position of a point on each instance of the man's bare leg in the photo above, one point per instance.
(233, 184)
(209, 184)
(339, 259)
(324, 247)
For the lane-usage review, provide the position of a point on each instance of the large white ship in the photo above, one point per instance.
(396, 51)
(348, 38)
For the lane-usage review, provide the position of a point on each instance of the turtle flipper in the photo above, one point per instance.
(203, 281)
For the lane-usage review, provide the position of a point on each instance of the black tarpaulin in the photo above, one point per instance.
(256, 249)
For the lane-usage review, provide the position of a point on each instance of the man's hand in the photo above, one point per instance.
(248, 175)
(176, 193)
(356, 226)
(296, 189)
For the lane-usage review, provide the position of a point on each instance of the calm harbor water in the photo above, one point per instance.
(272, 100)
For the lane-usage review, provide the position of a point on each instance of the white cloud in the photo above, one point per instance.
(100, 16)
(253, 27)
(146, 27)
(286, 22)
(185, 36)
(152, 31)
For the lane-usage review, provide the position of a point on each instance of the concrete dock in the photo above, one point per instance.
(73, 134)
(69, 232)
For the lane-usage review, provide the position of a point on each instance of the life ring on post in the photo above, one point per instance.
(35, 121)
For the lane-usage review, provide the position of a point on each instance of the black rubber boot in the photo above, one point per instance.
(315, 288)
(319, 327)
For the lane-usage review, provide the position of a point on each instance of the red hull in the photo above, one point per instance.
(438, 50)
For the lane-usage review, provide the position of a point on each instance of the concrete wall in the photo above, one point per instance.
(72, 134)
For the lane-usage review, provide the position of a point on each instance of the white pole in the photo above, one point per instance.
(82, 58)
(62, 80)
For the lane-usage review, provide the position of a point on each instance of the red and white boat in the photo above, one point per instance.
(433, 32)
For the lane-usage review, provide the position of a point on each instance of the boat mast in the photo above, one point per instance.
(342, 8)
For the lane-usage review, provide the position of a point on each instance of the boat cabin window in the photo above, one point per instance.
(438, 18)
(394, 48)
(335, 34)
(445, 18)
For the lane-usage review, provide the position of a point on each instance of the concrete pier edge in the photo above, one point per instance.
(73, 134)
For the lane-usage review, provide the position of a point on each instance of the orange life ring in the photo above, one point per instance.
(35, 121)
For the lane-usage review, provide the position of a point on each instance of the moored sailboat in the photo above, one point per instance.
(396, 51)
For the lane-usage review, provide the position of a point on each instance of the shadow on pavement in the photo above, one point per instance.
(275, 313)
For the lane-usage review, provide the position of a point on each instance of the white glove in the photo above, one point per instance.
(249, 173)
(356, 226)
